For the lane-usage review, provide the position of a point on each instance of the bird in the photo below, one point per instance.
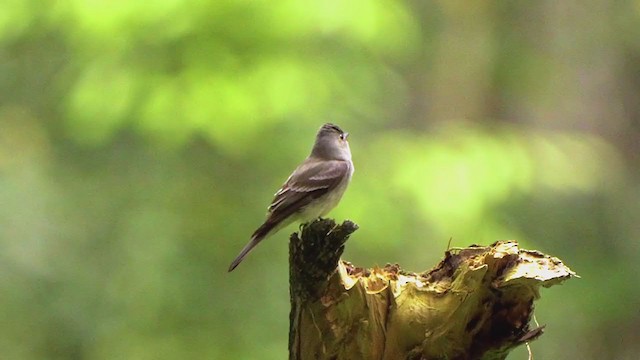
(313, 189)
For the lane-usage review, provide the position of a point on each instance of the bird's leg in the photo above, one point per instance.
(309, 222)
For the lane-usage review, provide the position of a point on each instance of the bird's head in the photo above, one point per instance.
(331, 143)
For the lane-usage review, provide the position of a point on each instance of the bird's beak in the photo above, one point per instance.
(346, 135)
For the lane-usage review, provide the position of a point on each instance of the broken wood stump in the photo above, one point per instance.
(476, 303)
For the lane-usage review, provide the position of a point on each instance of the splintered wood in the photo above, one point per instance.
(475, 304)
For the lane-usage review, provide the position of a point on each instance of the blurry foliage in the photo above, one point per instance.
(223, 69)
(141, 142)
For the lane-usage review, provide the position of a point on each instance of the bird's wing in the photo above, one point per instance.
(309, 181)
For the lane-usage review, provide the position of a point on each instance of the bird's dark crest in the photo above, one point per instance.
(332, 127)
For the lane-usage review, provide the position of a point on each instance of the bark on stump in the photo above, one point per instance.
(475, 304)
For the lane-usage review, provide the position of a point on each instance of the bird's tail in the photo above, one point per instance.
(257, 236)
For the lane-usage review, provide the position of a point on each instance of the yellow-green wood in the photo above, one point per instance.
(475, 304)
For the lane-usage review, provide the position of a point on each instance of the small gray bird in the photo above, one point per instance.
(312, 190)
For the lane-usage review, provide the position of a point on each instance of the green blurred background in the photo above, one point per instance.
(140, 143)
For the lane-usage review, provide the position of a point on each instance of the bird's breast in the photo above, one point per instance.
(322, 205)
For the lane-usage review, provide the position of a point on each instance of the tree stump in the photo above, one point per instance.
(475, 304)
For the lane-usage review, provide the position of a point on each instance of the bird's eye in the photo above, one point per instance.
(343, 136)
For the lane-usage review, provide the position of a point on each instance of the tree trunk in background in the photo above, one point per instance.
(475, 304)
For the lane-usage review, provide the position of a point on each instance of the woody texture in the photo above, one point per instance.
(476, 303)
